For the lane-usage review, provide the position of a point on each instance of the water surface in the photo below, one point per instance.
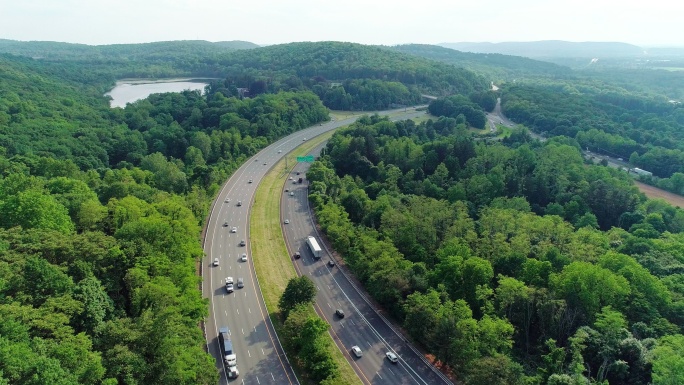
(128, 91)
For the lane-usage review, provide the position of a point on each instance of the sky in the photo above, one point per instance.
(265, 22)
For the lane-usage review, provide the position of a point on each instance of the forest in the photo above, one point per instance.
(100, 218)
(645, 129)
(512, 263)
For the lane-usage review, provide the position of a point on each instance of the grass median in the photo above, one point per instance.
(269, 254)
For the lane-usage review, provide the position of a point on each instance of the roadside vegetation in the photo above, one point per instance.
(511, 263)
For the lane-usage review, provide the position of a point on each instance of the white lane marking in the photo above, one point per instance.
(242, 330)
(255, 329)
(249, 310)
(226, 313)
(237, 310)
(249, 354)
(378, 374)
(257, 380)
(272, 376)
(262, 352)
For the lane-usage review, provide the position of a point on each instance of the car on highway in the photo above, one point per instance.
(331, 263)
(291, 193)
(392, 357)
(227, 200)
(357, 351)
(243, 258)
(241, 283)
(242, 242)
(233, 372)
(225, 224)
(291, 178)
(216, 262)
(229, 284)
(233, 230)
(239, 203)
(339, 313)
(304, 140)
(279, 151)
(264, 163)
(250, 181)
(297, 255)
(287, 221)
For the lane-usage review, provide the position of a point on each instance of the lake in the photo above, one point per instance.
(128, 91)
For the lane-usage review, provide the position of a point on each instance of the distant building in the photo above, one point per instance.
(243, 92)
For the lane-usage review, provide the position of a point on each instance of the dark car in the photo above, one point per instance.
(339, 313)
(297, 255)
(300, 180)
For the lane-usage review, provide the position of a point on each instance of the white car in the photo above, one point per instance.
(287, 221)
(216, 262)
(233, 372)
(243, 258)
(229, 284)
(304, 140)
(392, 357)
(233, 230)
(357, 351)
(227, 200)
(279, 151)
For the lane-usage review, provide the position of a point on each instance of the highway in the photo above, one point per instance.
(260, 357)
(362, 325)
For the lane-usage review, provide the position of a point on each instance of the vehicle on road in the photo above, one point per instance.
(339, 313)
(242, 242)
(216, 262)
(228, 354)
(239, 203)
(392, 357)
(233, 372)
(264, 163)
(300, 180)
(225, 224)
(287, 221)
(291, 193)
(229, 284)
(297, 255)
(313, 246)
(291, 178)
(240, 283)
(227, 200)
(233, 230)
(357, 351)
(250, 181)
(279, 151)
(243, 258)
(304, 140)
(331, 263)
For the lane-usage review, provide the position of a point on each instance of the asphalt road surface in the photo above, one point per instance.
(361, 325)
(260, 357)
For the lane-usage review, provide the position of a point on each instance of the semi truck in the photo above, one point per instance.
(227, 351)
(313, 245)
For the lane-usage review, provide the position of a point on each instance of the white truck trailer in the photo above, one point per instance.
(313, 245)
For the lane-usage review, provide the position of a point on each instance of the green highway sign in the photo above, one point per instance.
(308, 158)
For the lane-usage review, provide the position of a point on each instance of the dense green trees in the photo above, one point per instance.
(100, 214)
(608, 120)
(489, 254)
(303, 332)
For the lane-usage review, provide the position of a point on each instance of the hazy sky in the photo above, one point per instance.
(389, 22)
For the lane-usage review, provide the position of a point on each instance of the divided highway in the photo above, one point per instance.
(260, 357)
